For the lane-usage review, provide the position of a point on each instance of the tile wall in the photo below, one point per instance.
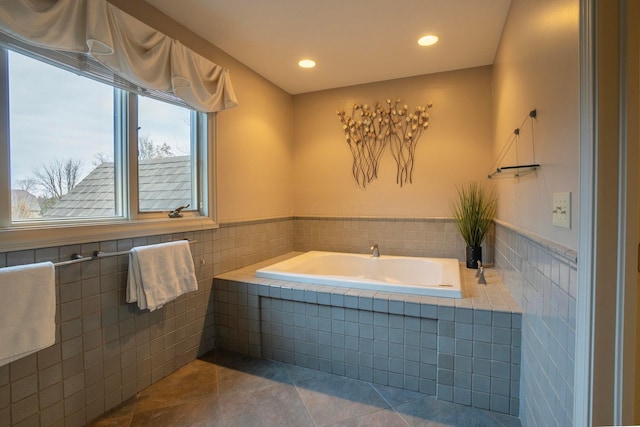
(425, 237)
(107, 350)
(542, 278)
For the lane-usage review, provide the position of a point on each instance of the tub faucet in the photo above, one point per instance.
(375, 252)
(481, 279)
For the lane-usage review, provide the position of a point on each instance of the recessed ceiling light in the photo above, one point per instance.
(428, 40)
(307, 63)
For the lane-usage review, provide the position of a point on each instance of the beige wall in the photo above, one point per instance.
(537, 66)
(254, 140)
(455, 149)
(275, 148)
(255, 151)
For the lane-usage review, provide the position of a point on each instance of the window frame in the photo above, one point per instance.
(19, 236)
(199, 132)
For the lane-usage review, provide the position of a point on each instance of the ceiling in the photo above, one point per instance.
(352, 41)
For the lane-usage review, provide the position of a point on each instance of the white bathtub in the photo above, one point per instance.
(438, 277)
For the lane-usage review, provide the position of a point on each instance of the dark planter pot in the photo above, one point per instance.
(474, 254)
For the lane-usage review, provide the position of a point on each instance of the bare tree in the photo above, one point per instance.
(58, 178)
(100, 158)
(20, 209)
(147, 149)
(27, 184)
(22, 198)
(21, 204)
(72, 170)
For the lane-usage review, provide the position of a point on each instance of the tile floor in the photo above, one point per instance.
(227, 389)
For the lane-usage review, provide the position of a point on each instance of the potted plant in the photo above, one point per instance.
(474, 211)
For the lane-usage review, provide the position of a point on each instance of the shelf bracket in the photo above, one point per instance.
(517, 170)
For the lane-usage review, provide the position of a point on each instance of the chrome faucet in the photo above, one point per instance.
(375, 252)
(481, 279)
(480, 274)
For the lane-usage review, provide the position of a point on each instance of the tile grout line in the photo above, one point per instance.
(295, 386)
(393, 408)
(219, 399)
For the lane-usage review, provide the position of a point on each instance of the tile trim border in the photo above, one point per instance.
(569, 255)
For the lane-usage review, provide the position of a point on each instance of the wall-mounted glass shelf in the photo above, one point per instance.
(518, 170)
(514, 171)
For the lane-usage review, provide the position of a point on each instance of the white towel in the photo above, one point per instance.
(160, 273)
(27, 310)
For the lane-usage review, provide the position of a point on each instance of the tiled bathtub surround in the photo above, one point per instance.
(543, 279)
(107, 350)
(466, 351)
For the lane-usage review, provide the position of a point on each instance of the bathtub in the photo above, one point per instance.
(438, 277)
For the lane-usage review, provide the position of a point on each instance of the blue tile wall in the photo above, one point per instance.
(425, 237)
(107, 350)
(542, 278)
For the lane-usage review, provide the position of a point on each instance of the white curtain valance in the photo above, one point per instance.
(128, 47)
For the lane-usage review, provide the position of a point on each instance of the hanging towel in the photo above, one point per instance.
(160, 273)
(27, 310)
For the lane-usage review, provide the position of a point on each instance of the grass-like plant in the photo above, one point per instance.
(474, 211)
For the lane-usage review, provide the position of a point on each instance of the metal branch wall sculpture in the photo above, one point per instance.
(368, 131)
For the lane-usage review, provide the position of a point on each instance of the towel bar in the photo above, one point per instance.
(77, 258)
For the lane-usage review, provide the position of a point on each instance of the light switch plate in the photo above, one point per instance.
(562, 210)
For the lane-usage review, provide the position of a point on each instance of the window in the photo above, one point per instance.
(167, 168)
(73, 158)
(61, 143)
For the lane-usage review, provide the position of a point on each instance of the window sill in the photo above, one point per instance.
(21, 238)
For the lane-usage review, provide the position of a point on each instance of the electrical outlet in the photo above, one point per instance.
(561, 210)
